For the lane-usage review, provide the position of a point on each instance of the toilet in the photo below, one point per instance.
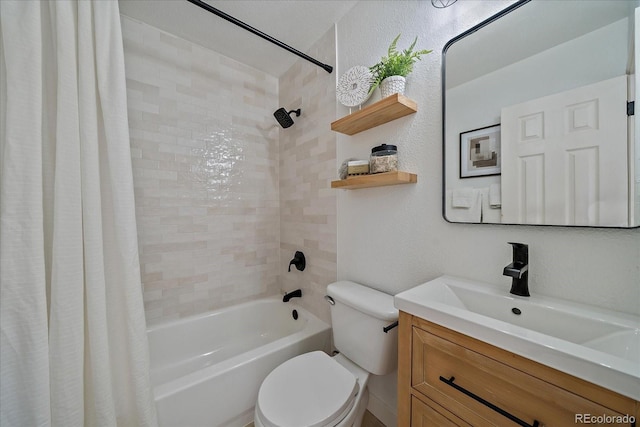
(317, 390)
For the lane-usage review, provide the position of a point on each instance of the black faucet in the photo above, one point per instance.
(519, 270)
(294, 294)
(299, 261)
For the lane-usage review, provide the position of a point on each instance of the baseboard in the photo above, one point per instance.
(243, 420)
(382, 411)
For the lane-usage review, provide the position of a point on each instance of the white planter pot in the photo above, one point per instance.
(391, 85)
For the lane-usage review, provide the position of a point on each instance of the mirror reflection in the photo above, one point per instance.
(537, 128)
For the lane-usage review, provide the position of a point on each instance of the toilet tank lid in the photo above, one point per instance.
(369, 301)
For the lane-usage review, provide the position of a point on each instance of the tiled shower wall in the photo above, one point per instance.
(205, 159)
(307, 165)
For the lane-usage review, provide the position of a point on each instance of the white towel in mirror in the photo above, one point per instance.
(490, 215)
(463, 197)
(473, 213)
(495, 196)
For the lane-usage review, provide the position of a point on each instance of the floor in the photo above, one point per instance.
(369, 420)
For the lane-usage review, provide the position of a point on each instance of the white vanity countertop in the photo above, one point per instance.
(600, 346)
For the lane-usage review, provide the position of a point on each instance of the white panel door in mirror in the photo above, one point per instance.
(554, 152)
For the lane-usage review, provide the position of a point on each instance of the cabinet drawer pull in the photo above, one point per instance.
(501, 411)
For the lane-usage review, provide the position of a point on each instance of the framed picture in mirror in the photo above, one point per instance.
(480, 152)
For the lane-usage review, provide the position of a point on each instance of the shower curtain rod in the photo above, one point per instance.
(221, 14)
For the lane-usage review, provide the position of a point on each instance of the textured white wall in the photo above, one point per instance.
(394, 238)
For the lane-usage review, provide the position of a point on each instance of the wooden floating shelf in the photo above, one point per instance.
(375, 180)
(383, 111)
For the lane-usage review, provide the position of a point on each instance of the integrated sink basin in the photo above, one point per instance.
(597, 345)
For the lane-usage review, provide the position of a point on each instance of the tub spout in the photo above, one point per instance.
(294, 294)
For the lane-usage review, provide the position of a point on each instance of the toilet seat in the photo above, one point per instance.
(310, 390)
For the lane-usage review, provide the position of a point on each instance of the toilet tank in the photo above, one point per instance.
(358, 318)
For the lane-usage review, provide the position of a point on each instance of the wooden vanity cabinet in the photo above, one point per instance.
(428, 414)
(449, 379)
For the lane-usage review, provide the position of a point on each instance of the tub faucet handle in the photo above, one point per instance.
(299, 261)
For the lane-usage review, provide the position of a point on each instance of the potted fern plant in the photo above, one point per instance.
(392, 69)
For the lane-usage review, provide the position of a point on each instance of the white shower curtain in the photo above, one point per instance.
(72, 328)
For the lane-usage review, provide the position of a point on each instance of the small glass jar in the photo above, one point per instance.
(384, 158)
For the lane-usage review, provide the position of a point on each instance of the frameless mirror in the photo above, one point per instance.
(538, 120)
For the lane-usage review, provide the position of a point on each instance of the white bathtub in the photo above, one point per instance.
(206, 370)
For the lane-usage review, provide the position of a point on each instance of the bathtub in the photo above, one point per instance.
(206, 370)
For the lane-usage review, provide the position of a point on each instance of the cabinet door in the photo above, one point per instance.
(423, 415)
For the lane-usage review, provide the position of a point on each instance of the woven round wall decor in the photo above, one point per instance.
(353, 86)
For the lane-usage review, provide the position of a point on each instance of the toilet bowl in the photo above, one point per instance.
(316, 390)
(313, 390)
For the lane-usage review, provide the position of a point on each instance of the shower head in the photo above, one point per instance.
(284, 118)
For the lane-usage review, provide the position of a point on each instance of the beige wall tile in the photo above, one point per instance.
(205, 174)
(224, 197)
(307, 165)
